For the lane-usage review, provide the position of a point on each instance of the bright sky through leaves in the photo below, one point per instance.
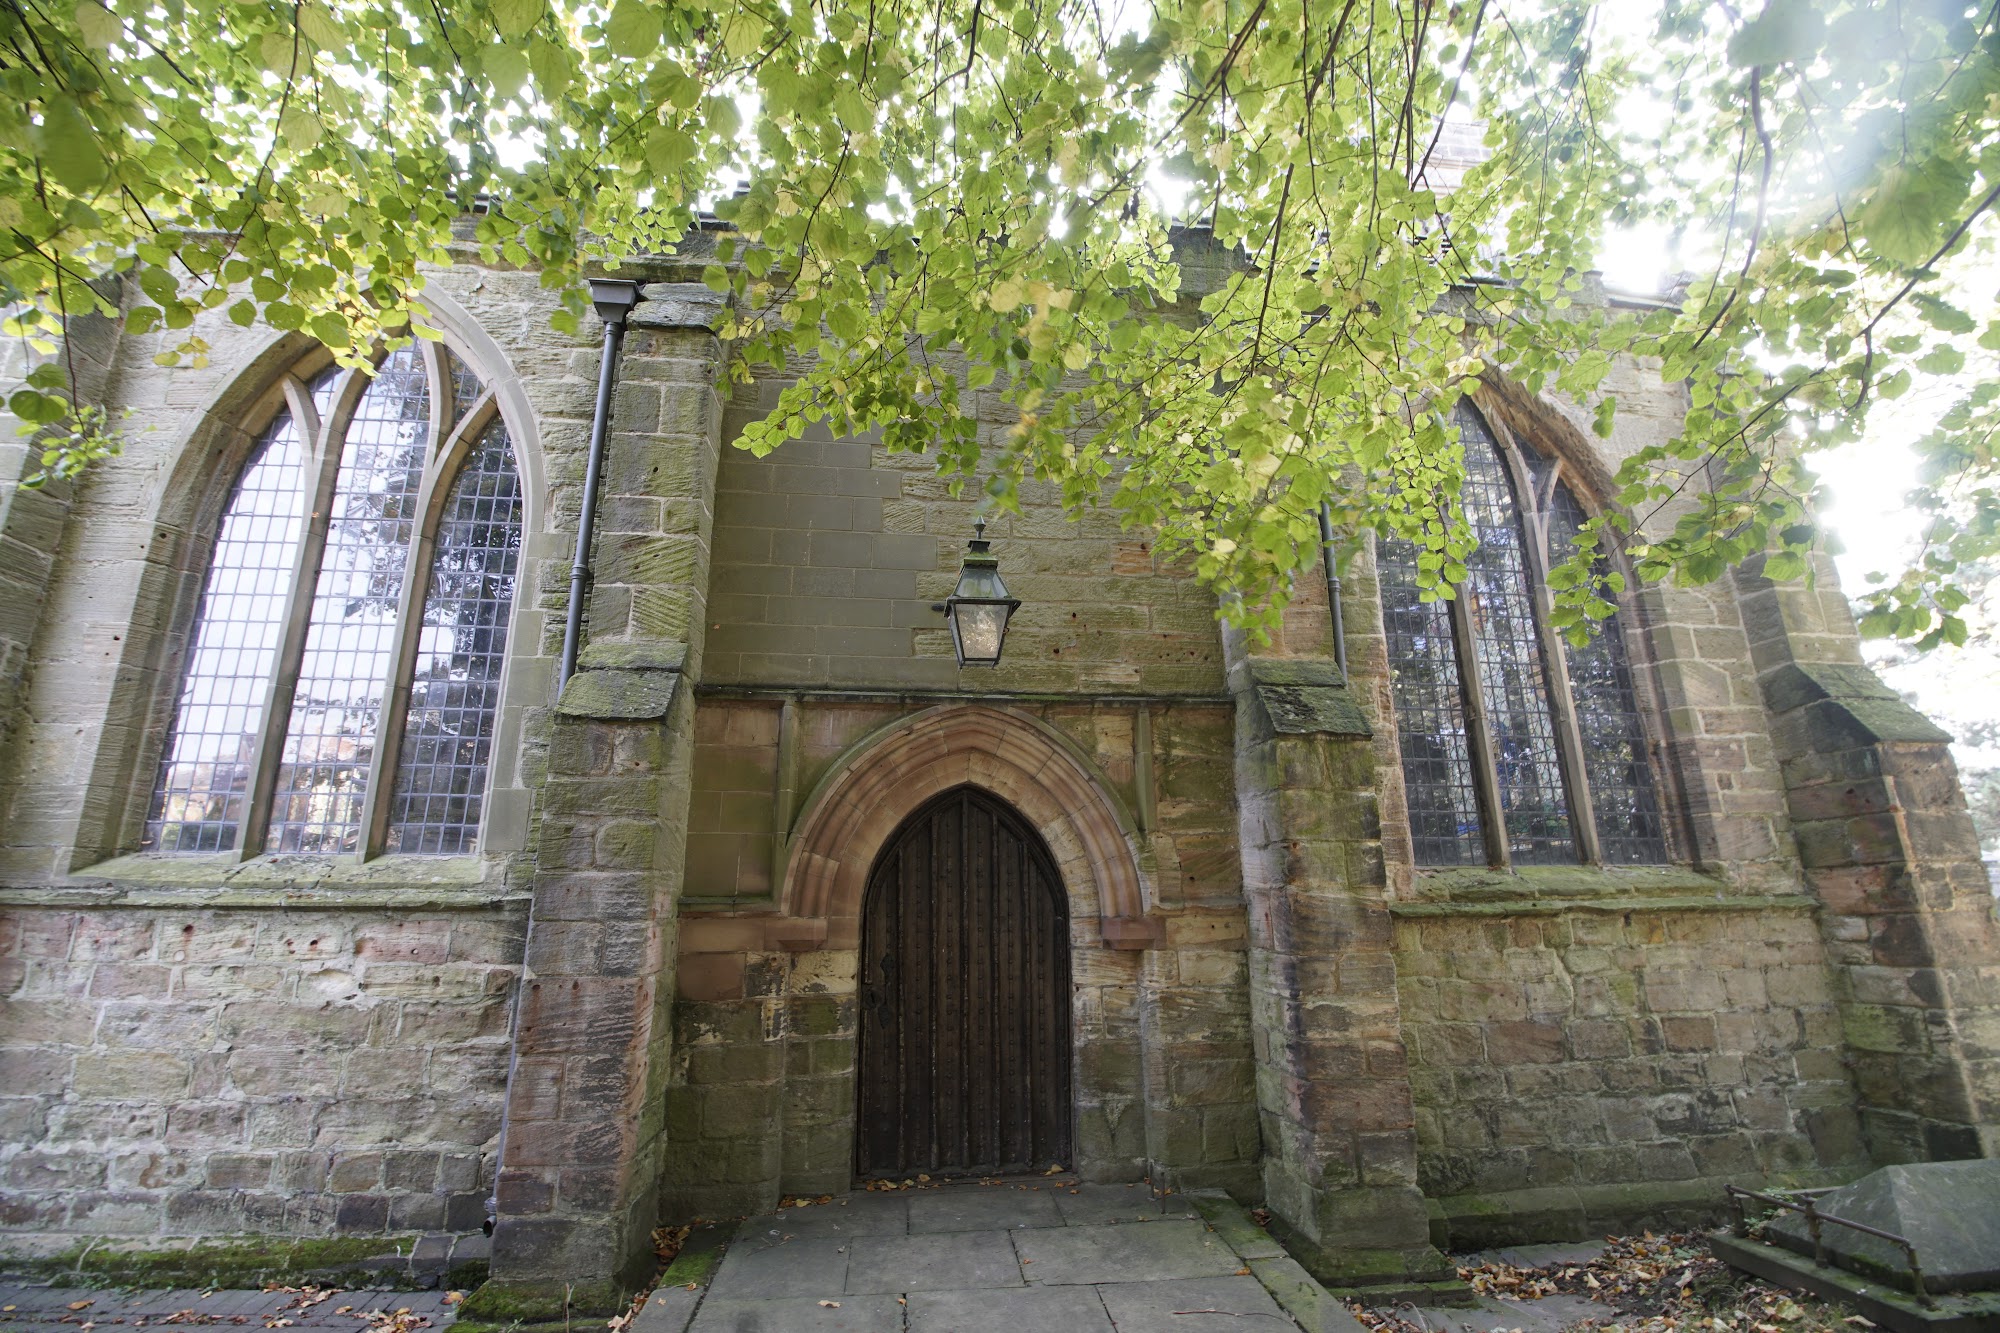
(955, 205)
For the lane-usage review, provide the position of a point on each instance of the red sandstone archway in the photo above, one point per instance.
(1018, 758)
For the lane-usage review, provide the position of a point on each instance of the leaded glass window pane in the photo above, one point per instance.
(336, 707)
(465, 385)
(1512, 679)
(1430, 716)
(455, 691)
(1622, 792)
(204, 776)
(321, 389)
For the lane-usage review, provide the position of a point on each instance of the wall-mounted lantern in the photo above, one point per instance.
(979, 606)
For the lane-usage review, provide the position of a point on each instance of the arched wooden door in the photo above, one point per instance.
(964, 1066)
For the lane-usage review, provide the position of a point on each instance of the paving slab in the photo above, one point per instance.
(849, 1314)
(1154, 1252)
(1194, 1305)
(1310, 1305)
(1538, 1256)
(35, 1300)
(1021, 1310)
(944, 1262)
(667, 1310)
(1548, 1314)
(860, 1215)
(1084, 1205)
(816, 1268)
(992, 1208)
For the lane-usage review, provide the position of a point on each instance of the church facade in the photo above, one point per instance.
(327, 906)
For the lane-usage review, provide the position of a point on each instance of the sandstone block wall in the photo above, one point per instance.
(172, 1072)
(830, 553)
(1577, 1067)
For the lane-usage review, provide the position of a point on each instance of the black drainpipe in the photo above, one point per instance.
(614, 299)
(1332, 589)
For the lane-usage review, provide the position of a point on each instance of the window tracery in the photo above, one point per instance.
(1517, 747)
(342, 685)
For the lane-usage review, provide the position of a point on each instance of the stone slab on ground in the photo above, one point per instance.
(957, 1260)
(1310, 1305)
(1194, 1305)
(799, 1314)
(1573, 1253)
(1012, 1256)
(983, 1210)
(1153, 1252)
(813, 1268)
(1023, 1310)
(1547, 1315)
(1082, 1205)
(667, 1310)
(855, 1215)
(1945, 1209)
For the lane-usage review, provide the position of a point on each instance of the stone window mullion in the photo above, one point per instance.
(1533, 515)
(1479, 734)
(322, 474)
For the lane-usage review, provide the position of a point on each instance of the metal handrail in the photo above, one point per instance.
(1814, 1217)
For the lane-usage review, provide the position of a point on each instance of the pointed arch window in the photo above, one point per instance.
(342, 679)
(1518, 748)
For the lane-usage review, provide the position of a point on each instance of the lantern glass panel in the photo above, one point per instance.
(979, 628)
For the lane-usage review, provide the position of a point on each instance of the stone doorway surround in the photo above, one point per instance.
(762, 1102)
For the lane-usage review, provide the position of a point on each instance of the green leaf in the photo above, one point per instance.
(633, 29)
(99, 26)
(1787, 30)
(506, 66)
(33, 406)
(1905, 218)
(319, 26)
(1942, 360)
(1602, 420)
(743, 34)
(68, 146)
(300, 129)
(515, 17)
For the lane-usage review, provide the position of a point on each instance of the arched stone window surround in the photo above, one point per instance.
(888, 774)
(1517, 417)
(1559, 453)
(186, 520)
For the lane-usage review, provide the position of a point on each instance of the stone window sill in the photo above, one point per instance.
(1550, 889)
(399, 883)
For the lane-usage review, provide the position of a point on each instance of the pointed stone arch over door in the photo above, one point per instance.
(965, 1037)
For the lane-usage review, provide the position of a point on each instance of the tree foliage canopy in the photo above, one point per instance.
(956, 196)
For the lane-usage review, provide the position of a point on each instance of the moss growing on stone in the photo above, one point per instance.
(691, 1265)
(530, 1303)
(242, 1261)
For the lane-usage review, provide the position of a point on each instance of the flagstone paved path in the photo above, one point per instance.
(1002, 1257)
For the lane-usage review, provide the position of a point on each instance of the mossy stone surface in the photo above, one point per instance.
(530, 1303)
(243, 1261)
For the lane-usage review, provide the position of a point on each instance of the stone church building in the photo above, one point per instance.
(327, 907)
